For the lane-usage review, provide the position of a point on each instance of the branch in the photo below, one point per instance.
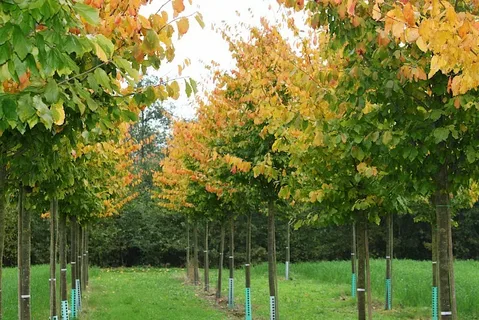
(84, 73)
(176, 19)
(162, 6)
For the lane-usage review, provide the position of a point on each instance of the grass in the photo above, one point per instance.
(317, 291)
(322, 290)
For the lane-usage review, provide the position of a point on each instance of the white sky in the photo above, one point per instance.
(202, 46)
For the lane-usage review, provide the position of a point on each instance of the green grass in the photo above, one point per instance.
(143, 293)
(317, 291)
(39, 291)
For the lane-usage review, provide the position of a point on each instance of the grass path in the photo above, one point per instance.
(129, 294)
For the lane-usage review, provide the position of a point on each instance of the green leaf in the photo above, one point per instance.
(88, 13)
(188, 89)
(387, 137)
(21, 45)
(151, 41)
(102, 78)
(92, 105)
(58, 113)
(25, 108)
(5, 53)
(5, 32)
(441, 134)
(357, 153)
(470, 154)
(9, 109)
(126, 65)
(199, 19)
(51, 91)
(194, 86)
(43, 112)
(104, 47)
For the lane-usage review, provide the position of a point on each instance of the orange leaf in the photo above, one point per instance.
(178, 6)
(183, 26)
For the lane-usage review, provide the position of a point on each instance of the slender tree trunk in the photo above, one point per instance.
(288, 250)
(79, 256)
(272, 275)
(353, 263)
(196, 275)
(443, 216)
(53, 260)
(85, 257)
(368, 276)
(188, 262)
(231, 289)
(435, 309)
(62, 234)
(248, 306)
(24, 249)
(389, 257)
(207, 262)
(361, 290)
(74, 257)
(451, 270)
(221, 262)
(3, 204)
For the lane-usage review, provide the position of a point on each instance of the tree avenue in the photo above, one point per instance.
(81, 90)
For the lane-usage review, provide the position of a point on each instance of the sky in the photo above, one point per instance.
(202, 46)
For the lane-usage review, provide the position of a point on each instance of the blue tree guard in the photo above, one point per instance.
(248, 313)
(64, 310)
(272, 308)
(231, 293)
(78, 297)
(353, 285)
(389, 294)
(74, 303)
(434, 304)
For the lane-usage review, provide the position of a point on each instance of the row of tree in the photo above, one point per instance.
(69, 73)
(364, 116)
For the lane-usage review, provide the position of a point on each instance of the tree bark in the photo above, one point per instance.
(74, 257)
(272, 276)
(24, 249)
(451, 270)
(62, 234)
(196, 275)
(389, 257)
(232, 265)
(220, 265)
(361, 290)
(368, 276)
(353, 263)
(53, 260)
(435, 308)
(79, 256)
(288, 252)
(248, 307)
(188, 262)
(3, 204)
(85, 257)
(207, 262)
(443, 216)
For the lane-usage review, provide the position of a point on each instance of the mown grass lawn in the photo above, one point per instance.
(317, 291)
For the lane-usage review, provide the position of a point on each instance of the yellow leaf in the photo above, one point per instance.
(178, 6)
(421, 44)
(58, 113)
(434, 66)
(398, 29)
(412, 35)
(183, 26)
(101, 54)
(376, 12)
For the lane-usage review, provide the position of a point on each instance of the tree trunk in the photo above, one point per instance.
(3, 203)
(451, 270)
(220, 265)
(24, 249)
(435, 312)
(188, 262)
(443, 216)
(196, 275)
(353, 263)
(288, 252)
(368, 276)
(361, 290)
(231, 288)
(272, 276)
(79, 286)
(207, 262)
(85, 256)
(389, 257)
(53, 260)
(248, 307)
(74, 257)
(62, 234)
